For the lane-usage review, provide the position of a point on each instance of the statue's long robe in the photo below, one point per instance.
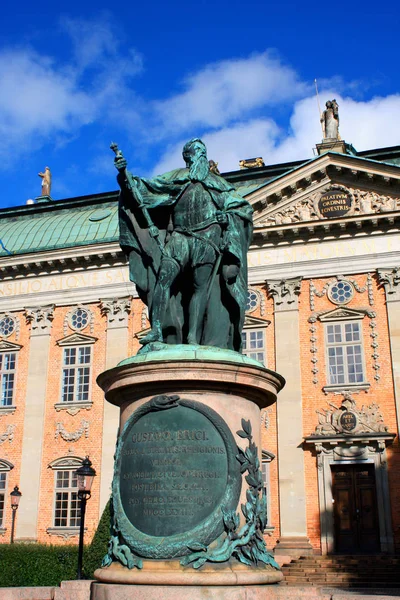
(227, 301)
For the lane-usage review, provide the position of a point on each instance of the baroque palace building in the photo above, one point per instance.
(323, 311)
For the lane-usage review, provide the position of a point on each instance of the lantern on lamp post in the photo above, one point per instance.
(85, 475)
(15, 498)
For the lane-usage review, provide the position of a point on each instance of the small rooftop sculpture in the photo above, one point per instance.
(46, 182)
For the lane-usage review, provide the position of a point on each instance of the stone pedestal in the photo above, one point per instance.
(204, 396)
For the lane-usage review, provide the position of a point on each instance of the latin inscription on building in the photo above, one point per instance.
(335, 203)
(173, 471)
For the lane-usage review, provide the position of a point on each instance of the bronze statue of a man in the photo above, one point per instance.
(187, 234)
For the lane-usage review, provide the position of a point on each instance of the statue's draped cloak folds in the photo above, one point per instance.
(227, 300)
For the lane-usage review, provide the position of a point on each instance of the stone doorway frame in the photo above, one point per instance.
(352, 450)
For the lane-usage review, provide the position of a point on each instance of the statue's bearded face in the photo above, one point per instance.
(192, 152)
(195, 157)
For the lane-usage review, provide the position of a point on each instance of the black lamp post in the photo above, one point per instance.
(85, 475)
(15, 498)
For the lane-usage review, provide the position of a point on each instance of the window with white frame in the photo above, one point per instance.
(76, 374)
(66, 502)
(267, 457)
(3, 487)
(7, 377)
(5, 468)
(345, 357)
(253, 344)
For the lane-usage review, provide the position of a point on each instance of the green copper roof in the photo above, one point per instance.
(58, 225)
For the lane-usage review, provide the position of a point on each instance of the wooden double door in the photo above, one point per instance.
(356, 525)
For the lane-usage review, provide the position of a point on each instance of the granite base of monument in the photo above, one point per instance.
(187, 502)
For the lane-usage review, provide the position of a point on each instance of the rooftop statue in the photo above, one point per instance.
(186, 234)
(46, 181)
(330, 120)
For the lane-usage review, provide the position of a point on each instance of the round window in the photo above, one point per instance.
(253, 300)
(79, 319)
(341, 292)
(7, 326)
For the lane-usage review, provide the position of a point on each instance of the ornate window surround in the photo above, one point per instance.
(65, 463)
(338, 315)
(68, 319)
(16, 330)
(6, 346)
(256, 324)
(257, 293)
(76, 339)
(5, 467)
(266, 459)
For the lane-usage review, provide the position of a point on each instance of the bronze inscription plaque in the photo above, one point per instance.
(348, 420)
(173, 471)
(335, 203)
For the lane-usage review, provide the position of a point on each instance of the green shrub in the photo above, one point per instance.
(98, 548)
(24, 565)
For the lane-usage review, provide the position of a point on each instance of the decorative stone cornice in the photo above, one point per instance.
(116, 310)
(63, 532)
(40, 318)
(72, 436)
(390, 280)
(66, 462)
(285, 293)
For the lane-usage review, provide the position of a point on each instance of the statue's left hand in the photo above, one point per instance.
(222, 217)
(230, 272)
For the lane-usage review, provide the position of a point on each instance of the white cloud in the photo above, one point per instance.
(366, 125)
(228, 146)
(229, 90)
(41, 99)
(372, 124)
(36, 98)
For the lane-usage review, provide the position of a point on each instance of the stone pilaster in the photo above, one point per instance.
(390, 280)
(40, 318)
(292, 493)
(117, 311)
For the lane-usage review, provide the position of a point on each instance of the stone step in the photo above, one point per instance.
(360, 570)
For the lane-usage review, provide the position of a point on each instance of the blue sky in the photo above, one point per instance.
(76, 76)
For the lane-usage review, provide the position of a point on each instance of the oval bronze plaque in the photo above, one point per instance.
(176, 468)
(348, 420)
(335, 203)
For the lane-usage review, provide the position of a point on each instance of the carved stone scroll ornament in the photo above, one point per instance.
(347, 419)
(40, 319)
(390, 280)
(363, 202)
(374, 344)
(300, 211)
(116, 310)
(367, 287)
(314, 348)
(368, 202)
(72, 436)
(8, 434)
(285, 293)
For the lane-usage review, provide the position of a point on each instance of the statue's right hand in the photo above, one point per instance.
(120, 163)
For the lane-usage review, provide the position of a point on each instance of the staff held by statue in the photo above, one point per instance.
(153, 230)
